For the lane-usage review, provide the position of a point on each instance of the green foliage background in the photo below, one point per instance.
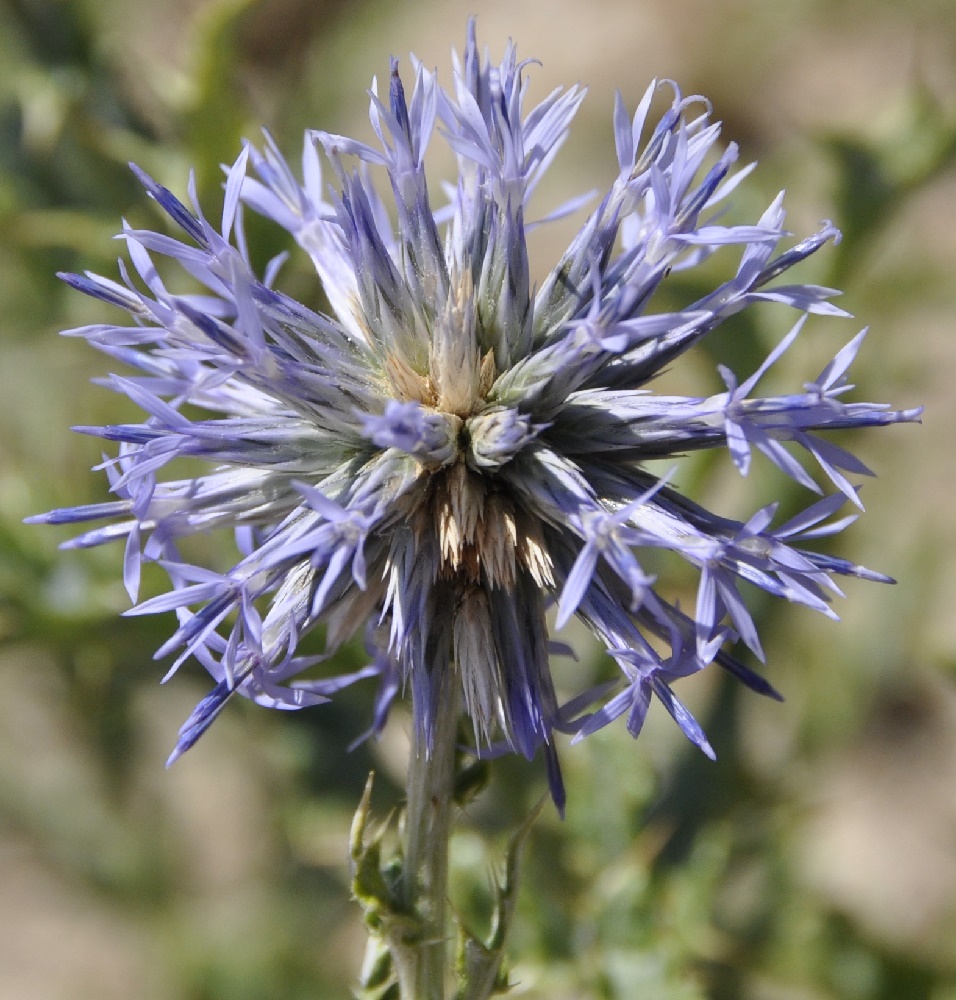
(816, 860)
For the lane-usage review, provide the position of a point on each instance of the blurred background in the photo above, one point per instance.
(816, 860)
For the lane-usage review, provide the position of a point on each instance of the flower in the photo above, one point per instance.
(448, 450)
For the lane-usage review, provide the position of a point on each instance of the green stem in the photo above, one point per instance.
(421, 964)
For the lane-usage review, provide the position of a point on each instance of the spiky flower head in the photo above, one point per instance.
(448, 450)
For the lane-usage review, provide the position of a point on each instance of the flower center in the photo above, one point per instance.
(483, 537)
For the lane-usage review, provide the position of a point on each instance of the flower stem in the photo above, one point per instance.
(421, 965)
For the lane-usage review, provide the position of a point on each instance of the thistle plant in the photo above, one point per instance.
(448, 450)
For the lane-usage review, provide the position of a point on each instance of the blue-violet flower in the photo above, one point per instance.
(447, 449)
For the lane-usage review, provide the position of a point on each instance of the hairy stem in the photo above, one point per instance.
(421, 964)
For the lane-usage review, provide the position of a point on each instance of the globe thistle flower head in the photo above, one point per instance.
(448, 450)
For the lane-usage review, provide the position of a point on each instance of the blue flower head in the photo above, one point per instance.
(448, 449)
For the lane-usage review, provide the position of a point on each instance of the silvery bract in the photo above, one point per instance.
(449, 449)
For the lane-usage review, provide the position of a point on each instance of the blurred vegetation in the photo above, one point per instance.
(672, 878)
